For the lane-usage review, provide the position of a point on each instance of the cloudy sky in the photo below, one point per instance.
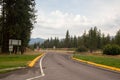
(55, 17)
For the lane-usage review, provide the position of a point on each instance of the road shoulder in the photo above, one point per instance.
(97, 65)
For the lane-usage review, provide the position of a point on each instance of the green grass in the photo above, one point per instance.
(114, 62)
(10, 61)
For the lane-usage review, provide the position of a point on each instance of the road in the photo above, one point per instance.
(59, 66)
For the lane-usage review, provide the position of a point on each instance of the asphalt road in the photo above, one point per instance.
(59, 66)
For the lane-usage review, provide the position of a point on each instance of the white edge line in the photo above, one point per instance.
(6, 69)
(41, 69)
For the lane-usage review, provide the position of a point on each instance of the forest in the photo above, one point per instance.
(16, 22)
(91, 40)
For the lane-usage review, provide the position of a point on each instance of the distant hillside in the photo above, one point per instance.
(35, 40)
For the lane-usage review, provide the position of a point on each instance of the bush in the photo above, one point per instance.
(81, 49)
(111, 49)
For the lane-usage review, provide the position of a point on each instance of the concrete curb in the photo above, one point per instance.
(7, 69)
(32, 63)
(98, 65)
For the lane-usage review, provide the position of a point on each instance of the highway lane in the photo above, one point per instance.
(59, 66)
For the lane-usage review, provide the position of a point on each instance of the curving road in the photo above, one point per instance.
(59, 66)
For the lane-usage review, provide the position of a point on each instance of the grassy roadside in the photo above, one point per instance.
(11, 61)
(105, 60)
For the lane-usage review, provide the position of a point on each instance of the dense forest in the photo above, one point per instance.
(92, 40)
(16, 22)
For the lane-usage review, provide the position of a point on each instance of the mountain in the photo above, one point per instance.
(35, 40)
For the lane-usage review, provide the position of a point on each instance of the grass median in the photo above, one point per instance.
(11, 61)
(105, 60)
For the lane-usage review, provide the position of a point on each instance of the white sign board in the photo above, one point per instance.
(10, 48)
(14, 42)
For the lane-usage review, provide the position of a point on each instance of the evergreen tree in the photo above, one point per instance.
(0, 35)
(71, 43)
(75, 42)
(92, 40)
(56, 42)
(84, 40)
(108, 40)
(99, 41)
(117, 38)
(67, 40)
(92, 45)
(17, 21)
(80, 41)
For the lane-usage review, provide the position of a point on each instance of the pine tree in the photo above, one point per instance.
(17, 21)
(108, 40)
(84, 40)
(75, 42)
(92, 39)
(67, 40)
(99, 41)
(117, 38)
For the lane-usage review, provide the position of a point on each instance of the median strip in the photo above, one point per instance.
(98, 65)
(32, 63)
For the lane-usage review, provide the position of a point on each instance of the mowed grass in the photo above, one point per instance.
(10, 61)
(105, 60)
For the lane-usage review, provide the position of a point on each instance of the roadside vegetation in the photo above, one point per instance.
(13, 61)
(81, 49)
(111, 49)
(105, 60)
(8, 61)
(110, 55)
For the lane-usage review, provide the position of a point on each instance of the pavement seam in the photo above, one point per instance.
(98, 65)
(32, 63)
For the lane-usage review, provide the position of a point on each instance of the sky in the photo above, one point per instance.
(55, 17)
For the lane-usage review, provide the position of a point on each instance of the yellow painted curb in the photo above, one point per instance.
(98, 65)
(32, 63)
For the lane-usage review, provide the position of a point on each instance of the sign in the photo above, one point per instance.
(10, 48)
(14, 42)
(54, 47)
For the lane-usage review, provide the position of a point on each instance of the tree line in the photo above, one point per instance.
(16, 21)
(92, 40)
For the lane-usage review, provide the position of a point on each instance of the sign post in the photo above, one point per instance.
(10, 48)
(14, 42)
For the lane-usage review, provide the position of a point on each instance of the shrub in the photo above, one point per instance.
(81, 49)
(111, 49)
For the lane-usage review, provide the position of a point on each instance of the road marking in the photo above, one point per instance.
(41, 69)
(32, 63)
(42, 72)
(14, 68)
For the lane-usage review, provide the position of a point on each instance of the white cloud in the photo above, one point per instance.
(100, 13)
(57, 22)
(58, 19)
